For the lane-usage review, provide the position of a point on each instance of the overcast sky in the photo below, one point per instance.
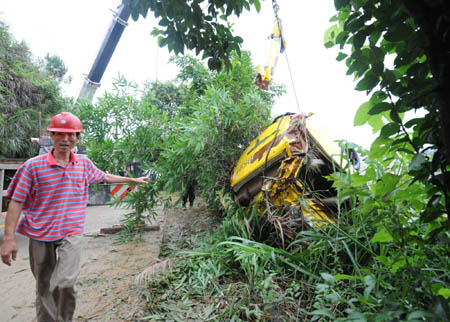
(74, 30)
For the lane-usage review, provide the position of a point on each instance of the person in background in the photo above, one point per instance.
(51, 190)
(189, 193)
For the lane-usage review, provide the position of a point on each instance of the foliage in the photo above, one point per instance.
(407, 261)
(25, 90)
(399, 53)
(375, 264)
(54, 66)
(204, 137)
(120, 128)
(386, 259)
(226, 112)
(142, 204)
(185, 24)
(165, 97)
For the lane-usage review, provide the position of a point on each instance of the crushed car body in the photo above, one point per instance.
(285, 167)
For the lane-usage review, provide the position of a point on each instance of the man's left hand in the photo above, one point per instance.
(141, 180)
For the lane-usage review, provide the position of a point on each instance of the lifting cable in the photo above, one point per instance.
(277, 46)
(276, 7)
(293, 85)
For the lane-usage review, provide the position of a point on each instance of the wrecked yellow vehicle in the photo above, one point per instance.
(284, 169)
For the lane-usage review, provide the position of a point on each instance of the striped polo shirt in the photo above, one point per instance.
(54, 198)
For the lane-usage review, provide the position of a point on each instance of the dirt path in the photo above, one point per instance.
(106, 287)
(108, 291)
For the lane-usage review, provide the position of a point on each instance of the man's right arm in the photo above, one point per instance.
(9, 247)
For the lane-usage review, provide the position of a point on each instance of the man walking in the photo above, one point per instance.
(52, 192)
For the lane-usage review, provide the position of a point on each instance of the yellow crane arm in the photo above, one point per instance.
(277, 46)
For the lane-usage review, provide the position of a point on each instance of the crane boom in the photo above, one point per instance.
(92, 80)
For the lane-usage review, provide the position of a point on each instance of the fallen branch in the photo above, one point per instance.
(116, 229)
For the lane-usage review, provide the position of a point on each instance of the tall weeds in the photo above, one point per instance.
(376, 264)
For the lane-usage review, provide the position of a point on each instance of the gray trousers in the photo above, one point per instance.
(55, 266)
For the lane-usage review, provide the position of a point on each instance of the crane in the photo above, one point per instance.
(92, 80)
(277, 46)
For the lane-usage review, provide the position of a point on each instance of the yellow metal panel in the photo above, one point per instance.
(254, 157)
(323, 141)
(286, 190)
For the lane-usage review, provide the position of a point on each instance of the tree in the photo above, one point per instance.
(25, 90)
(119, 128)
(226, 111)
(400, 53)
(165, 96)
(218, 114)
(54, 65)
(196, 26)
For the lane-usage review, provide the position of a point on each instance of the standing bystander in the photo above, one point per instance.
(189, 192)
(52, 192)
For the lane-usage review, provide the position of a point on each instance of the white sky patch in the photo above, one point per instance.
(74, 30)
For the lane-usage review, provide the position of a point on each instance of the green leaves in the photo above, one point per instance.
(257, 5)
(359, 39)
(380, 108)
(389, 129)
(362, 114)
(117, 127)
(444, 292)
(162, 41)
(384, 32)
(417, 162)
(26, 88)
(382, 236)
(214, 64)
(330, 36)
(399, 32)
(55, 67)
(369, 81)
(185, 25)
(222, 111)
(339, 4)
(386, 184)
(341, 56)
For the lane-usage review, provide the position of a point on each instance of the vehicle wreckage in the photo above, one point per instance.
(285, 169)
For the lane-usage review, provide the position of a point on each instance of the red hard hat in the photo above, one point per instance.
(65, 122)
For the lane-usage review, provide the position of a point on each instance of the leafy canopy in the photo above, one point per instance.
(196, 25)
(397, 57)
(199, 124)
(25, 89)
(55, 66)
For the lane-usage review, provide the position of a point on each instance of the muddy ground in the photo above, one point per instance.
(107, 290)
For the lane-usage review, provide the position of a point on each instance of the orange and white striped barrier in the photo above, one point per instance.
(121, 190)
